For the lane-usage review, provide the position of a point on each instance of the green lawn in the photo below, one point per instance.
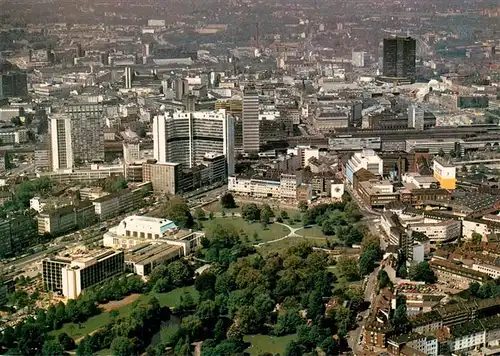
(314, 231)
(247, 230)
(216, 207)
(267, 343)
(285, 244)
(170, 299)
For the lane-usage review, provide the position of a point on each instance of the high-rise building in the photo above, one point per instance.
(13, 84)
(181, 88)
(358, 59)
(129, 77)
(251, 132)
(185, 137)
(164, 177)
(415, 117)
(399, 57)
(77, 136)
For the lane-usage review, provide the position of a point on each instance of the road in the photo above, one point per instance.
(354, 336)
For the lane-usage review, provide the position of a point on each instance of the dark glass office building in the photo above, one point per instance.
(399, 58)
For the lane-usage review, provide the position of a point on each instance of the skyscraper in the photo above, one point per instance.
(129, 77)
(13, 84)
(399, 57)
(61, 146)
(251, 132)
(185, 137)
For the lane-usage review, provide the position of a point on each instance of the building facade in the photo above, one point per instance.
(250, 118)
(400, 57)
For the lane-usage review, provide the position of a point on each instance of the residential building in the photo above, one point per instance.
(112, 205)
(72, 275)
(378, 326)
(455, 275)
(16, 234)
(366, 159)
(400, 58)
(305, 153)
(185, 137)
(61, 220)
(250, 118)
(76, 138)
(445, 173)
(413, 342)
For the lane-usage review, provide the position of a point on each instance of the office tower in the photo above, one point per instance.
(79, 50)
(164, 177)
(181, 88)
(72, 276)
(129, 77)
(13, 84)
(399, 57)
(131, 152)
(251, 132)
(145, 50)
(61, 145)
(415, 117)
(185, 137)
(358, 59)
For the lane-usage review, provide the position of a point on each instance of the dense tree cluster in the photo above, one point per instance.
(127, 335)
(114, 184)
(170, 276)
(28, 338)
(247, 294)
(24, 192)
(422, 272)
(337, 219)
(489, 289)
(370, 254)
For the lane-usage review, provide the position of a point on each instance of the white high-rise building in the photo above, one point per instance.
(415, 117)
(358, 59)
(185, 137)
(128, 77)
(251, 131)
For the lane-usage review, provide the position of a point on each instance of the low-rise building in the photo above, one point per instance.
(284, 187)
(136, 230)
(455, 275)
(377, 193)
(143, 258)
(438, 231)
(445, 173)
(112, 205)
(16, 234)
(61, 220)
(413, 344)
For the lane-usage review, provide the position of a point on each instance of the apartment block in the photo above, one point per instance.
(16, 234)
(61, 220)
(164, 177)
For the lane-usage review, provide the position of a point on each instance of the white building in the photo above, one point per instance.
(185, 137)
(337, 190)
(438, 231)
(358, 59)
(135, 230)
(415, 117)
(305, 153)
(366, 159)
(490, 270)
(284, 188)
(37, 204)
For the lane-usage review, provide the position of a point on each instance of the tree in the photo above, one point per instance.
(328, 227)
(348, 268)
(441, 153)
(121, 346)
(367, 261)
(294, 349)
(464, 169)
(52, 348)
(205, 284)
(250, 212)
(200, 214)
(180, 273)
(265, 217)
(223, 213)
(211, 215)
(402, 270)
(114, 184)
(66, 342)
(284, 214)
(302, 206)
(422, 272)
(248, 320)
(288, 322)
(177, 210)
(400, 318)
(192, 326)
(227, 201)
(383, 279)
(476, 238)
